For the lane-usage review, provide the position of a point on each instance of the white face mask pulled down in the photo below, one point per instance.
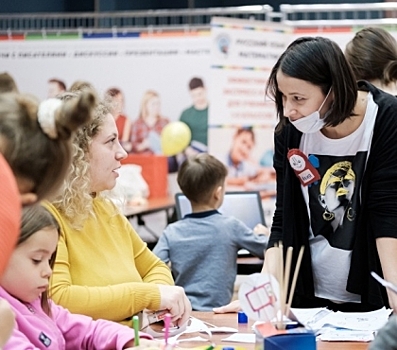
(312, 122)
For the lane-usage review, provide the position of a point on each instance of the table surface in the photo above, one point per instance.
(152, 205)
(230, 320)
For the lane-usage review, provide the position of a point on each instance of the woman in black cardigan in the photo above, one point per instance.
(336, 167)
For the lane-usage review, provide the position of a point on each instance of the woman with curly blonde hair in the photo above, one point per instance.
(103, 269)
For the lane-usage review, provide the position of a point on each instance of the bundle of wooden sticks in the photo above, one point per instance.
(283, 277)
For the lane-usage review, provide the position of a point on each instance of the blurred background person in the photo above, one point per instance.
(115, 97)
(7, 83)
(55, 87)
(146, 130)
(196, 116)
(372, 54)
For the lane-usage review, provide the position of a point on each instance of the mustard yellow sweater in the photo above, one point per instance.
(105, 270)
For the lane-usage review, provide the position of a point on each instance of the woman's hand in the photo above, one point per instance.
(260, 229)
(174, 299)
(234, 306)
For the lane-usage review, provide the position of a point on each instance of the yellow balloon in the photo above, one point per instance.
(175, 137)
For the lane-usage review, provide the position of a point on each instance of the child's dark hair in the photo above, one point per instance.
(60, 83)
(199, 175)
(245, 129)
(112, 92)
(36, 218)
(195, 83)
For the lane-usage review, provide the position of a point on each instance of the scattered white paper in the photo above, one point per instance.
(241, 338)
(359, 321)
(310, 315)
(223, 330)
(194, 326)
(320, 319)
(197, 326)
(347, 335)
(193, 339)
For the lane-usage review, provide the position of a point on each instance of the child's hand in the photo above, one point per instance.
(234, 306)
(261, 230)
(7, 321)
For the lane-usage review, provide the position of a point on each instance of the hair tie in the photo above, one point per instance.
(46, 116)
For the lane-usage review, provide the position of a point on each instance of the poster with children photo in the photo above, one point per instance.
(248, 154)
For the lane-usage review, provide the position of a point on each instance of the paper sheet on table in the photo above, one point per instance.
(360, 321)
(195, 325)
(347, 335)
(193, 339)
(241, 338)
(308, 315)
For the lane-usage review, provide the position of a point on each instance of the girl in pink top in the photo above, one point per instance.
(41, 324)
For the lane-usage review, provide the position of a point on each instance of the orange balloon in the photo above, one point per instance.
(10, 213)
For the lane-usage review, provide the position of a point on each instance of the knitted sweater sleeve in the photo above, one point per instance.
(119, 296)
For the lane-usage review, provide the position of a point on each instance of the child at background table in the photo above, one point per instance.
(39, 322)
(203, 246)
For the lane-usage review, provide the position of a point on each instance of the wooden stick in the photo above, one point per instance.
(264, 267)
(286, 277)
(294, 278)
(281, 284)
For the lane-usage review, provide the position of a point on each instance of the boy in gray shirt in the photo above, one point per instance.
(203, 246)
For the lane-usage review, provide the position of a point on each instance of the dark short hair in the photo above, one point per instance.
(195, 83)
(199, 175)
(60, 83)
(372, 54)
(321, 62)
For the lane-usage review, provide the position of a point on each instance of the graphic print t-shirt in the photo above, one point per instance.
(334, 202)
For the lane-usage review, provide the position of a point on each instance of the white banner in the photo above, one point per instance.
(134, 65)
(241, 120)
(242, 55)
